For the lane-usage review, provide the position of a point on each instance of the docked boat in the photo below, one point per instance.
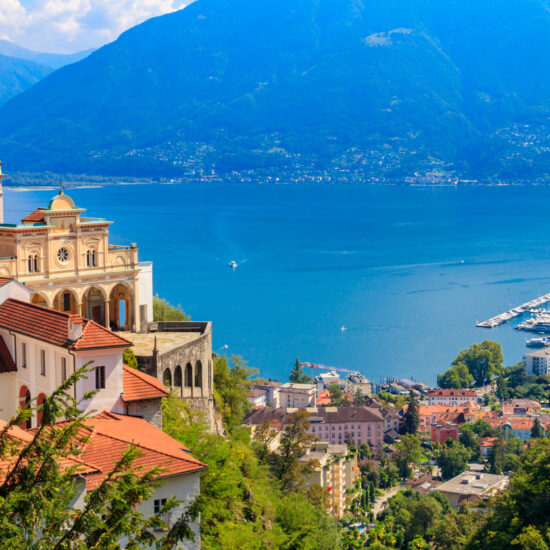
(537, 342)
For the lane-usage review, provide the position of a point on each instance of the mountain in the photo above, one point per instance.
(16, 75)
(390, 88)
(52, 60)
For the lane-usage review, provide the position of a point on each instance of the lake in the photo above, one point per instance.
(407, 270)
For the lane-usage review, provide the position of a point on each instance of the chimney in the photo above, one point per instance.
(75, 328)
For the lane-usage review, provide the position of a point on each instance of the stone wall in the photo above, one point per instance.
(148, 409)
(188, 369)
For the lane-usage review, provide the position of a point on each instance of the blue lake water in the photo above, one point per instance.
(408, 270)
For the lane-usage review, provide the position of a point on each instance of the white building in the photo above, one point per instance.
(297, 396)
(451, 397)
(257, 397)
(537, 362)
(42, 347)
(271, 387)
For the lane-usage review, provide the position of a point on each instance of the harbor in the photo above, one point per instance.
(533, 306)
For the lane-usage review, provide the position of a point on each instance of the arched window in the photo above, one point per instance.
(32, 263)
(24, 401)
(198, 375)
(177, 377)
(189, 375)
(167, 378)
(91, 258)
(39, 402)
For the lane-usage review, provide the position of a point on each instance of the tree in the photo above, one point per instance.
(264, 435)
(364, 451)
(537, 431)
(457, 377)
(453, 531)
(231, 387)
(295, 439)
(358, 398)
(452, 460)
(496, 458)
(164, 311)
(483, 361)
(530, 538)
(337, 397)
(482, 428)
(409, 451)
(412, 416)
(41, 480)
(470, 440)
(241, 503)
(129, 358)
(502, 388)
(298, 376)
(519, 516)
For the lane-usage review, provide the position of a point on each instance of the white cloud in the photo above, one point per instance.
(71, 25)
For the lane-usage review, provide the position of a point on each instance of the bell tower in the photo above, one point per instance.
(2, 176)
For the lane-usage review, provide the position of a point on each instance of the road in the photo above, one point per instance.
(379, 502)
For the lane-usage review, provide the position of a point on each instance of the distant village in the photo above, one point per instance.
(346, 412)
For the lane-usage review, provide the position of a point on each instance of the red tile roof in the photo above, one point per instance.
(52, 326)
(6, 360)
(4, 280)
(445, 392)
(110, 435)
(24, 437)
(34, 217)
(137, 385)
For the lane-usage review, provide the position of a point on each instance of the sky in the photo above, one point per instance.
(67, 26)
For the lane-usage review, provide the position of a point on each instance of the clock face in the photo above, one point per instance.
(63, 255)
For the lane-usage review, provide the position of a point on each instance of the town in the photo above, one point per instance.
(78, 313)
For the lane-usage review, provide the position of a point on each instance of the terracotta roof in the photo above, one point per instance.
(442, 392)
(138, 386)
(327, 415)
(109, 436)
(6, 360)
(4, 280)
(34, 217)
(52, 326)
(256, 393)
(24, 437)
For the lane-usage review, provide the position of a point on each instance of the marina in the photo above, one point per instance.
(533, 306)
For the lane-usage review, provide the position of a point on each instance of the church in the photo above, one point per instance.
(68, 262)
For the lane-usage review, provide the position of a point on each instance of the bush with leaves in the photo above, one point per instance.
(164, 311)
(242, 504)
(231, 387)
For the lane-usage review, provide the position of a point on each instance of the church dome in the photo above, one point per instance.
(61, 202)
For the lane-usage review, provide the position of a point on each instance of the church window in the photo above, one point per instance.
(63, 255)
(32, 262)
(91, 258)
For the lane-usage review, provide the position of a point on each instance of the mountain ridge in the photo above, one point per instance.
(238, 85)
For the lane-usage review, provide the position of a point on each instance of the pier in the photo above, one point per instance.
(515, 312)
